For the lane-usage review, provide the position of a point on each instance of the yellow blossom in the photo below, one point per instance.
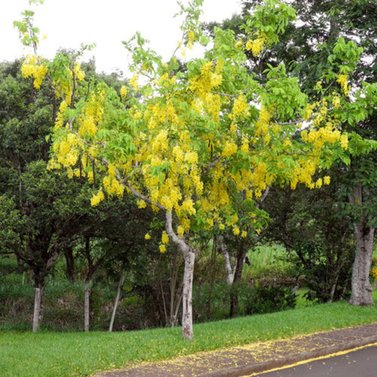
(191, 36)
(342, 80)
(319, 183)
(240, 107)
(326, 180)
(230, 148)
(233, 128)
(134, 82)
(97, 198)
(141, 204)
(180, 230)
(147, 236)
(191, 157)
(80, 74)
(162, 249)
(344, 141)
(336, 102)
(123, 91)
(164, 238)
(255, 46)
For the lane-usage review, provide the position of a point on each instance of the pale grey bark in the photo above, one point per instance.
(37, 316)
(87, 293)
(117, 299)
(188, 277)
(228, 265)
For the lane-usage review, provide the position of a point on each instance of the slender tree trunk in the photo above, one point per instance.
(37, 316)
(188, 277)
(87, 293)
(228, 265)
(117, 298)
(361, 287)
(70, 272)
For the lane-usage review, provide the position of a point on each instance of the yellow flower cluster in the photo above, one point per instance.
(188, 207)
(336, 102)
(240, 108)
(92, 114)
(309, 111)
(255, 46)
(327, 134)
(261, 126)
(79, 73)
(112, 186)
(32, 68)
(180, 230)
(304, 172)
(342, 80)
(59, 121)
(164, 238)
(141, 203)
(230, 148)
(191, 157)
(191, 36)
(161, 142)
(123, 91)
(97, 198)
(67, 150)
(134, 82)
(209, 78)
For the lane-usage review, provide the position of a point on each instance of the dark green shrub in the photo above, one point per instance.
(269, 299)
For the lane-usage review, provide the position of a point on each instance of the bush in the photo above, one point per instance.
(269, 299)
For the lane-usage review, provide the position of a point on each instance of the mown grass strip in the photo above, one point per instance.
(78, 354)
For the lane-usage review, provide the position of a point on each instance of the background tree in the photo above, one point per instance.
(306, 47)
(316, 229)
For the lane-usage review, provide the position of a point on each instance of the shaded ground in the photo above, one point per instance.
(361, 363)
(254, 358)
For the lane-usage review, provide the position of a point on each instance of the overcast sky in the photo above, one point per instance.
(68, 23)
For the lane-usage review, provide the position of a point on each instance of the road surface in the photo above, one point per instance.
(361, 363)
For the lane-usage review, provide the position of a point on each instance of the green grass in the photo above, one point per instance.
(79, 354)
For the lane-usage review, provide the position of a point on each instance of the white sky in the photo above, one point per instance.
(68, 23)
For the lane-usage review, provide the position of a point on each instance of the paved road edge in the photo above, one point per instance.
(252, 369)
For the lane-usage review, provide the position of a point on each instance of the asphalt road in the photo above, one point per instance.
(361, 363)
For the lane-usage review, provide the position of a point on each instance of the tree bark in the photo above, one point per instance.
(228, 265)
(87, 293)
(188, 277)
(117, 298)
(361, 287)
(364, 235)
(37, 316)
(70, 264)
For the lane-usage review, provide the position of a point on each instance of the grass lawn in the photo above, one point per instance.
(78, 354)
